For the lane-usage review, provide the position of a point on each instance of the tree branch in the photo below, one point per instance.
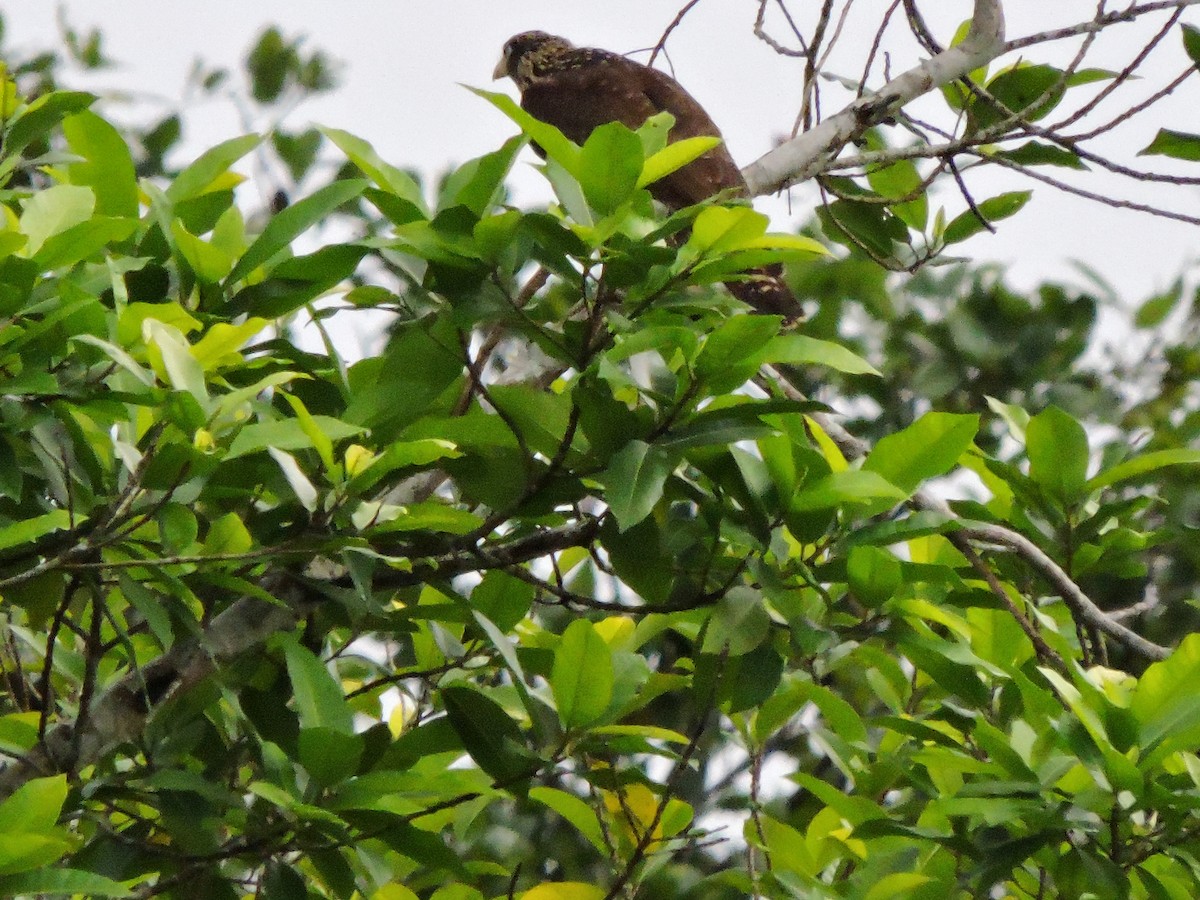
(807, 155)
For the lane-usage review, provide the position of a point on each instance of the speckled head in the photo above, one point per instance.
(525, 54)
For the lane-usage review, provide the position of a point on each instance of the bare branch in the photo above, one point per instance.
(808, 154)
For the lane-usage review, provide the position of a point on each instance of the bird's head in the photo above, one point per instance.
(525, 55)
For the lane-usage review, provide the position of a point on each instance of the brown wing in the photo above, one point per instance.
(604, 88)
(705, 177)
(583, 88)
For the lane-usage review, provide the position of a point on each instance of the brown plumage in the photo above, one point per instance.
(577, 89)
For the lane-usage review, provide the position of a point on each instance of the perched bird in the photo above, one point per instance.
(577, 89)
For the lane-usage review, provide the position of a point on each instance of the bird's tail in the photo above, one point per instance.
(764, 290)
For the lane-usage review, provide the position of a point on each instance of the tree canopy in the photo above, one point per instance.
(590, 584)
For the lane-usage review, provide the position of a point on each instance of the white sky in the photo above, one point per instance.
(403, 62)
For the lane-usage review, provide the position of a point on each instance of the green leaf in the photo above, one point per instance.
(107, 168)
(80, 242)
(1191, 43)
(53, 210)
(29, 530)
(992, 209)
(182, 369)
(736, 340)
(22, 851)
(479, 184)
(390, 179)
(549, 138)
(582, 678)
(563, 890)
(902, 180)
(1175, 144)
(1143, 465)
(320, 701)
(292, 222)
(1152, 312)
(199, 175)
(1057, 447)
(739, 623)
(610, 163)
(488, 734)
(35, 806)
(675, 156)
(227, 536)
(1032, 91)
(287, 434)
(1035, 153)
(329, 755)
(574, 810)
(51, 881)
(849, 486)
(1165, 709)
(635, 479)
(798, 349)
(401, 455)
(504, 599)
(722, 229)
(926, 449)
(873, 574)
(41, 115)
(210, 262)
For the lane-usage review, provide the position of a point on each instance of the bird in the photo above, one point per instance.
(578, 89)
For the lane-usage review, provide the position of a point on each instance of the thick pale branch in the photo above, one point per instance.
(808, 154)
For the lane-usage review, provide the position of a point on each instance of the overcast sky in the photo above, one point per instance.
(404, 62)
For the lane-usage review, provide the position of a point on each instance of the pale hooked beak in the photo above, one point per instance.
(501, 69)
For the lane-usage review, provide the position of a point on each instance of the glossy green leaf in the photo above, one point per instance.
(396, 182)
(926, 449)
(50, 881)
(503, 598)
(199, 175)
(564, 890)
(488, 734)
(53, 211)
(610, 163)
(28, 530)
(292, 222)
(635, 479)
(675, 156)
(1028, 91)
(1140, 466)
(41, 115)
(574, 810)
(800, 349)
(82, 241)
(320, 701)
(549, 138)
(1169, 715)
(874, 574)
(1057, 447)
(479, 183)
(1191, 42)
(850, 486)
(34, 806)
(582, 678)
(329, 754)
(739, 623)
(1175, 144)
(107, 167)
(227, 535)
(287, 434)
(993, 209)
